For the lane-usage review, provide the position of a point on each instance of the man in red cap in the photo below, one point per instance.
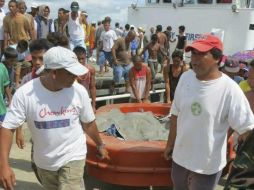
(206, 103)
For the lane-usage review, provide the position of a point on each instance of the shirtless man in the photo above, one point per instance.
(154, 48)
(122, 59)
(163, 41)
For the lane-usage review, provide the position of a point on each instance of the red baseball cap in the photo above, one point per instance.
(205, 43)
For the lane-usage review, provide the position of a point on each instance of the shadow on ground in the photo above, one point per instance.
(24, 185)
(21, 164)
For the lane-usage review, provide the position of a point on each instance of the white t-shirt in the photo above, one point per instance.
(54, 121)
(108, 38)
(75, 28)
(205, 110)
(2, 15)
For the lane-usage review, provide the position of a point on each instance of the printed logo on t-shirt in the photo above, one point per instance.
(46, 112)
(196, 108)
(52, 124)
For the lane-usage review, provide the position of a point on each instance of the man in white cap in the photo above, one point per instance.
(57, 110)
(34, 12)
(34, 9)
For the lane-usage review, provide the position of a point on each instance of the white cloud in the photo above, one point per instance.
(97, 9)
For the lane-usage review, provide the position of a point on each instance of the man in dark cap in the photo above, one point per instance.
(75, 27)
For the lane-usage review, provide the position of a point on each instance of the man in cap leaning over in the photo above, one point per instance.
(206, 103)
(57, 110)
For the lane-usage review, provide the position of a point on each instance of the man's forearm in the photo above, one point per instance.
(8, 93)
(113, 51)
(92, 131)
(93, 96)
(148, 83)
(5, 40)
(172, 132)
(135, 92)
(147, 89)
(6, 136)
(167, 88)
(33, 35)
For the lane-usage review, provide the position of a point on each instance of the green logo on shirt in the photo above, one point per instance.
(196, 108)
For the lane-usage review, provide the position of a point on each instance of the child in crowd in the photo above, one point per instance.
(87, 80)
(140, 81)
(12, 66)
(103, 63)
(21, 66)
(22, 50)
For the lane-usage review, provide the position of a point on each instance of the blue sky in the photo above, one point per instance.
(97, 9)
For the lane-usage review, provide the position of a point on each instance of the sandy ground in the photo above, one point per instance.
(20, 162)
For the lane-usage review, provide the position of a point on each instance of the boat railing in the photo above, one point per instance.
(110, 99)
(201, 3)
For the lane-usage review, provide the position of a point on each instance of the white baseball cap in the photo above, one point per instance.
(63, 58)
(34, 5)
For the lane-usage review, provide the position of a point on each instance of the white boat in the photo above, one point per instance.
(231, 20)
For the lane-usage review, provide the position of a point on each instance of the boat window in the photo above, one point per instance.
(224, 1)
(153, 1)
(166, 1)
(205, 1)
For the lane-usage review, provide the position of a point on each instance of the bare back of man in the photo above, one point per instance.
(163, 40)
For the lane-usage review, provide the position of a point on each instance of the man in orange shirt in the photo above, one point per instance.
(16, 26)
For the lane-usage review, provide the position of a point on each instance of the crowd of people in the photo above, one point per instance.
(46, 80)
(115, 47)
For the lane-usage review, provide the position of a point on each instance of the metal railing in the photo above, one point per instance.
(110, 99)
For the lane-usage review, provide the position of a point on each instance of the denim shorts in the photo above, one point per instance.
(120, 71)
(2, 117)
(75, 43)
(102, 59)
(109, 57)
